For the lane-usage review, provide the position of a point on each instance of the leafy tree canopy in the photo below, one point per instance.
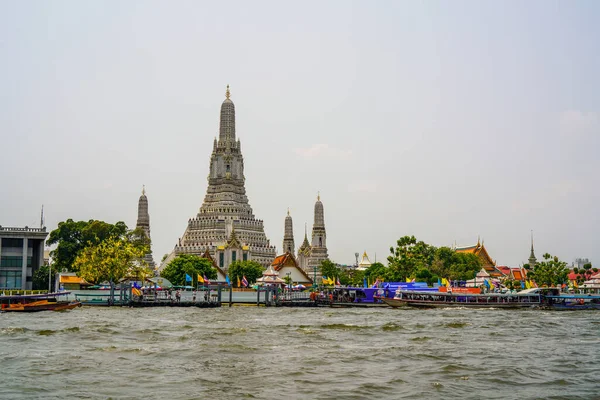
(250, 269)
(550, 272)
(585, 273)
(111, 260)
(408, 256)
(41, 276)
(189, 264)
(329, 269)
(377, 271)
(71, 237)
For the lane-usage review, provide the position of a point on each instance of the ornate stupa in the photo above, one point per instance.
(225, 224)
(319, 238)
(304, 252)
(143, 222)
(364, 262)
(532, 259)
(288, 235)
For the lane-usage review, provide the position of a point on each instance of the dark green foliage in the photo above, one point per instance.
(329, 269)
(550, 272)
(250, 269)
(408, 257)
(188, 264)
(40, 278)
(71, 237)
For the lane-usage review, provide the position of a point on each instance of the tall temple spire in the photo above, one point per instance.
(532, 259)
(319, 237)
(288, 235)
(143, 223)
(225, 208)
(227, 123)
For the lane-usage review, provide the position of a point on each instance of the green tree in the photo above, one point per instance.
(72, 237)
(250, 269)
(41, 277)
(585, 273)
(550, 272)
(377, 271)
(329, 269)
(450, 264)
(111, 260)
(408, 256)
(191, 265)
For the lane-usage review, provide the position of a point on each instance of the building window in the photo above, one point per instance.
(320, 242)
(233, 256)
(245, 256)
(228, 167)
(221, 260)
(10, 279)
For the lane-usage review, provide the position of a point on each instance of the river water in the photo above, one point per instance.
(299, 353)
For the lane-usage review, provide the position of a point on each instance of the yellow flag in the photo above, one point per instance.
(527, 285)
(444, 281)
(200, 279)
(238, 281)
(408, 280)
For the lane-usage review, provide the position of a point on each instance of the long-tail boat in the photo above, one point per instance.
(36, 302)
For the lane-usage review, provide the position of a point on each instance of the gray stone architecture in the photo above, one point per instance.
(319, 238)
(225, 224)
(532, 259)
(143, 222)
(288, 235)
(21, 254)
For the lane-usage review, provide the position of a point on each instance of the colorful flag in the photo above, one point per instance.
(338, 281)
(487, 283)
(408, 280)
(200, 280)
(188, 278)
(444, 282)
(448, 283)
(238, 281)
(245, 281)
(365, 282)
(522, 285)
(527, 285)
(376, 283)
(227, 280)
(206, 279)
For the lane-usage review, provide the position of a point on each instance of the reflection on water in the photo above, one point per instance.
(246, 352)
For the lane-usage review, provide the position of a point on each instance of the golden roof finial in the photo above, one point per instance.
(318, 196)
(144, 190)
(288, 211)
(227, 93)
(478, 241)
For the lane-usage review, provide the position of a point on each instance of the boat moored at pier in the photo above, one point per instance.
(36, 302)
(464, 299)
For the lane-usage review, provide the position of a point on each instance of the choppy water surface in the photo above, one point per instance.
(245, 352)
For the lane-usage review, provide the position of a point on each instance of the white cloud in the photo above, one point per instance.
(325, 151)
(575, 122)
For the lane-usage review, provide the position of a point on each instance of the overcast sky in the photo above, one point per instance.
(443, 120)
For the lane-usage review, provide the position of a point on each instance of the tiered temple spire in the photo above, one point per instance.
(532, 259)
(226, 207)
(143, 222)
(288, 235)
(319, 237)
